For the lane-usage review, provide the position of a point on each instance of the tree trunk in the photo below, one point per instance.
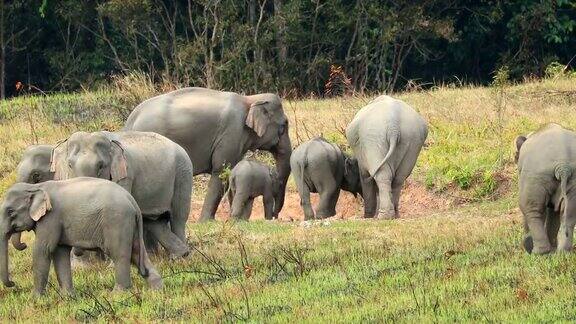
(280, 32)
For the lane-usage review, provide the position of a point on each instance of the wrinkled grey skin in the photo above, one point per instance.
(217, 128)
(155, 170)
(386, 137)
(321, 167)
(546, 162)
(34, 167)
(83, 212)
(248, 180)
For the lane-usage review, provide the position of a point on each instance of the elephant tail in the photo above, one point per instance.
(393, 138)
(142, 254)
(562, 173)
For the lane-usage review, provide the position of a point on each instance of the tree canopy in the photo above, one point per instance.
(288, 46)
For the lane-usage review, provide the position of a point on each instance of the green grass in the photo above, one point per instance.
(464, 264)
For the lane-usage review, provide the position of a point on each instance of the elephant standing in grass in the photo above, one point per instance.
(546, 164)
(386, 137)
(319, 166)
(155, 170)
(217, 128)
(83, 212)
(248, 180)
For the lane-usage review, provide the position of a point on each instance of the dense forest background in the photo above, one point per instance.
(288, 46)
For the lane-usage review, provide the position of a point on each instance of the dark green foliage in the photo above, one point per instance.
(282, 45)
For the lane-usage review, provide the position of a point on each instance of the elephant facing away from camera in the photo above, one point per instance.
(155, 170)
(216, 129)
(386, 137)
(248, 180)
(82, 212)
(547, 199)
(322, 167)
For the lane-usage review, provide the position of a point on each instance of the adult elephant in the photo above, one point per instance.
(216, 129)
(386, 137)
(155, 170)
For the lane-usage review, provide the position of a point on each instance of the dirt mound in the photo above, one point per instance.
(415, 201)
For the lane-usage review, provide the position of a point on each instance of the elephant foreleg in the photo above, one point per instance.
(41, 259)
(268, 200)
(63, 268)
(213, 197)
(171, 242)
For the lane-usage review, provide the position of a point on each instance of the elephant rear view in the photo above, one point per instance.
(546, 165)
(386, 137)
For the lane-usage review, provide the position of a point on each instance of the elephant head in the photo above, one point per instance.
(351, 180)
(24, 205)
(269, 127)
(33, 168)
(95, 155)
(35, 164)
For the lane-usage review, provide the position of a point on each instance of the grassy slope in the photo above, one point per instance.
(464, 264)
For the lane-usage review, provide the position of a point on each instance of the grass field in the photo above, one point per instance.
(462, 263)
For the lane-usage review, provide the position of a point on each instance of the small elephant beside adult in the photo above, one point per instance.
(216, 129)
(83, 212)
(547, 181)
(248, 180)
(155, 170)
(322, 167)
(386, 137)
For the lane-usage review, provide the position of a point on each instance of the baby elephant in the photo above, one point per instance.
(89, 213)
(321, 167)
(248, 180)
(547, 179)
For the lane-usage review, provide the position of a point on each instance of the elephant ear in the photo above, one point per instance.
(39, 204)
(118, 167)
(519, 141)
(58, 163)
(257, 118)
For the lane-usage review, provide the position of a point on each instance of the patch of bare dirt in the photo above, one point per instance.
(415, 201)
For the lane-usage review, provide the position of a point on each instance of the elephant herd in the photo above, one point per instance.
(124, 193)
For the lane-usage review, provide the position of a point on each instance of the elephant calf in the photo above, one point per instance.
(88, 213)
(546, 163)
(248, 180)
(321, 167)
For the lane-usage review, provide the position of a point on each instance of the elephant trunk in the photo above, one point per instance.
(282, 154)
(4, 276)
(16, 241)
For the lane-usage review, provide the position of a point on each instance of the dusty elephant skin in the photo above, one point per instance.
(386, 137)
(217, 128)
(155, 170)
(321, 167)
(83, 212)
(546, 162)
(248, 180)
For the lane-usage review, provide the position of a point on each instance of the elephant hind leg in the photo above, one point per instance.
(567, 223)
(121, 254)
(552, 226)
(247, 209)
(181, 201)
(328, 199)
(386, 206)
(533, 207)
(154, 279)
(369, 194)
